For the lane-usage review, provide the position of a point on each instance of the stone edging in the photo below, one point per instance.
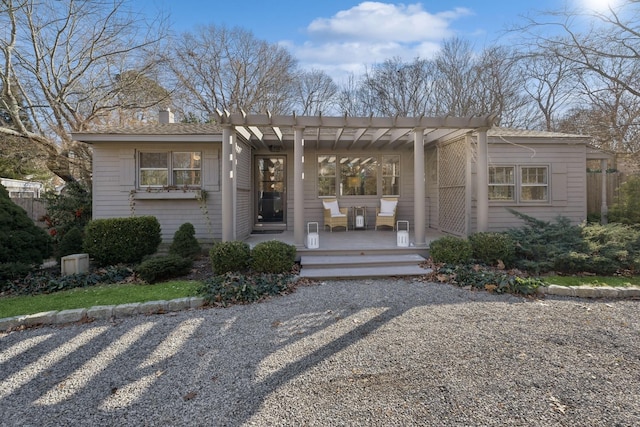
(105, 312)
(100, 312)
(590, 291)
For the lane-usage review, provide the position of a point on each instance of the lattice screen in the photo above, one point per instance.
(452, 159)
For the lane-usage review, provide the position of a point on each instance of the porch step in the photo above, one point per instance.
(359, 266)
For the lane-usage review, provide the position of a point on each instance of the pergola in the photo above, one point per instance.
(353, 133)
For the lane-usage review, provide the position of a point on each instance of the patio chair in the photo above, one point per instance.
(334, 216)
(386, 212)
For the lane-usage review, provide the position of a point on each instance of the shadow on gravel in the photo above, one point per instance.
(222, 366)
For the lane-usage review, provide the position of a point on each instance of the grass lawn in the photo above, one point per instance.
(96, 295)
(614, 281)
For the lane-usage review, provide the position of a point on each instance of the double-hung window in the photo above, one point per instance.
(519, 184)
(170, 169)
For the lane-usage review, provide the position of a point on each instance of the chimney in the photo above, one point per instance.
(165, 116)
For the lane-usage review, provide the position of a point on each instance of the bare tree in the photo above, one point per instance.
(315, 92)
(400, 88)
(223, 68)
(63, 58)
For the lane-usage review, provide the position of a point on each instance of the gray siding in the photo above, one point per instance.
(244, 200)
(114, 179)
(567, 186)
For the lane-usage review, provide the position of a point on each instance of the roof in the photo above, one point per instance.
(267, 131)
(512, 132)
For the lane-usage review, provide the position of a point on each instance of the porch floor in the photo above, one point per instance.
(340, 242)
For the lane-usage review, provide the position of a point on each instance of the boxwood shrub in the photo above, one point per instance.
(233, 256)
(451, 250)
(122, 240)
(490, 247)
(184, 242)
(165, 267)
(273, 256)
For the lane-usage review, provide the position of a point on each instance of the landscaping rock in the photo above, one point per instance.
(70, 316)
(179, 304)
(153, 307)
(100, 312)
(125, 310)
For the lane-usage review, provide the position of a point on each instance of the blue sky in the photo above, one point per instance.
(343, 36)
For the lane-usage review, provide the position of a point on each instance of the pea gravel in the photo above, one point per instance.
(393, 352)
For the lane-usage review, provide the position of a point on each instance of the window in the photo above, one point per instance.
(501, 183)
(532, 185)
(166, 169)
(326, 175)
(358, 176)
(390, 175)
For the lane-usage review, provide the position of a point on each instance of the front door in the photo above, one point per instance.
(271, 195)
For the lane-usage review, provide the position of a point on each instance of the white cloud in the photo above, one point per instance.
(372, 32)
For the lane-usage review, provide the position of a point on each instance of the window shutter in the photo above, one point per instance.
(559, 189)
(127, 169)
(211, 170)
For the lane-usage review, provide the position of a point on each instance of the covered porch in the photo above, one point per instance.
(290, 134)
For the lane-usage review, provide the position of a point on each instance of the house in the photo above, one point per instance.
(266, 173)
(18, 188)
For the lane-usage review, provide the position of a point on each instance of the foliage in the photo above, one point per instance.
(627, 208)
(490, 248)
(234, 256)
(612, 248)
(237, 288)
(67, 210)
(184, 242)
(22, 243)
(161, 268)
(122, 240)
(539, 243)
(273, 256)
(451, 250)
(71, 243)
(497, 281)
(43, 282)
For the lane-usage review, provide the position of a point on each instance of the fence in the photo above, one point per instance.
(594, 190)
(36, 208)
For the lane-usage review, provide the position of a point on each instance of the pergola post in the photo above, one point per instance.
(227, 185)
(418, 188)
(482, 198)
(604, 210)
(298, 187)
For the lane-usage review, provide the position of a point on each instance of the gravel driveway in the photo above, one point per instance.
(378, 352)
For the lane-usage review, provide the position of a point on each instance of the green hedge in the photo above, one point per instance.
(451, 250)
(234, 256)
(273, 256)
(160, 268)
(122, 240)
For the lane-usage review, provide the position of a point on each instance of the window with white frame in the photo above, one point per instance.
(170, 169)
(519, 184)
(358, 175)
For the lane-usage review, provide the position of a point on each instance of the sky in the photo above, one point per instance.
(343, 36)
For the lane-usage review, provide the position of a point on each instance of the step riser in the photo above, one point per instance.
(358, 266)
(361, 265)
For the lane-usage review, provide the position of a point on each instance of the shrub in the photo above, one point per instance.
(68, 210)
(538, 244)
(497, 281)
(122, 240)
(71, 243)
(627, 209)
(489, 248)
(273, 256)
(22, 243)
(43, 282)
(159, 268)
(232, 256)
(184, 242)
(451, 250)
(235, 288)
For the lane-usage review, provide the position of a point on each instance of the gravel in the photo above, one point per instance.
(370, 352)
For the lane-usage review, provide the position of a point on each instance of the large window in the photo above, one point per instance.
(170, 169)
(358, 175)
(532, 184)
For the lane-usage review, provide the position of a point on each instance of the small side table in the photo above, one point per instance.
(359, 217)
